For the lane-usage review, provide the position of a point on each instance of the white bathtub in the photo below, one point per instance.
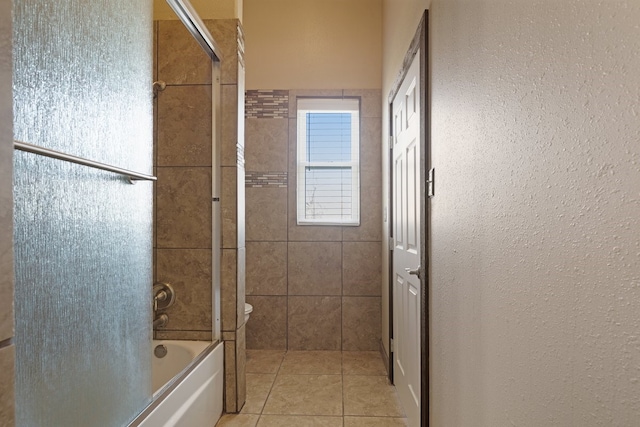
(185, 397)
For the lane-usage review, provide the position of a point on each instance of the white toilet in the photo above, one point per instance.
(248, 308)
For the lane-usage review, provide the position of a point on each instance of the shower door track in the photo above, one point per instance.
(31, 148)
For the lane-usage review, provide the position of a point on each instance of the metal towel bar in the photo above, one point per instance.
(133, 176)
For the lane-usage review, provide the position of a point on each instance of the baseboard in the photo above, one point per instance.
(385, 359)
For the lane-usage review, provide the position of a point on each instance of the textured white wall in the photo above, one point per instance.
(535, 300)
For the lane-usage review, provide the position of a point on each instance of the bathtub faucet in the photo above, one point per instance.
(160, 296)
(163, 296)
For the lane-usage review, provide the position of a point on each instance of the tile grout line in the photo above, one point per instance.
(342, 371)
(272, 385)
(342, 295)
(343, 374)
(300, 241)
(286, 325)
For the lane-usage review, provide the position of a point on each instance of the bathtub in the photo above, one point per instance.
(185, 397)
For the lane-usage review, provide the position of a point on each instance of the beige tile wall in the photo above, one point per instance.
(229, 36)
(312, 287)
(6, 222)
(7, 396)
(184, 191)
(6, 241)
(189, 271)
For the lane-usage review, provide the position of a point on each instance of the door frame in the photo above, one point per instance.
(419, 43)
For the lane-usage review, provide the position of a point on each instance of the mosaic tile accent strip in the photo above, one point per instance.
(266, 179)
(266, 104)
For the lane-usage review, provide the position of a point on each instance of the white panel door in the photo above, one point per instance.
(406, 249)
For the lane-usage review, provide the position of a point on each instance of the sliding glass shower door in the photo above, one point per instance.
(83, 236)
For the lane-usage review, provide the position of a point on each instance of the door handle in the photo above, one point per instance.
(415, 272)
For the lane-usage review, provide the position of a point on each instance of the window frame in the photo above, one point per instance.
(333, 105)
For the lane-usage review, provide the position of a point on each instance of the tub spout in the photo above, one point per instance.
(160, 321)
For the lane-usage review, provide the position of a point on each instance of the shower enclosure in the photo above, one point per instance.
(83, 123)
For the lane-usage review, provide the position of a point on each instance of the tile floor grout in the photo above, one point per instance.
(342, 372)
(361, 374)
(272, 385)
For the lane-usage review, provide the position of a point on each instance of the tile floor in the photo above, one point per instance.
(317, 389)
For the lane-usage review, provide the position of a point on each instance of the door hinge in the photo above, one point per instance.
(392, 243)
(430, 183)
(391, 346)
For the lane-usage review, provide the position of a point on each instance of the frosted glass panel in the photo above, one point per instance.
(83, 280)
(82, 81)
(83, 242)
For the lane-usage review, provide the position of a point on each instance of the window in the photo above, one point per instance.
(328, 190)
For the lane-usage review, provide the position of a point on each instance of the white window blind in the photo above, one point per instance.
(328, 185)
